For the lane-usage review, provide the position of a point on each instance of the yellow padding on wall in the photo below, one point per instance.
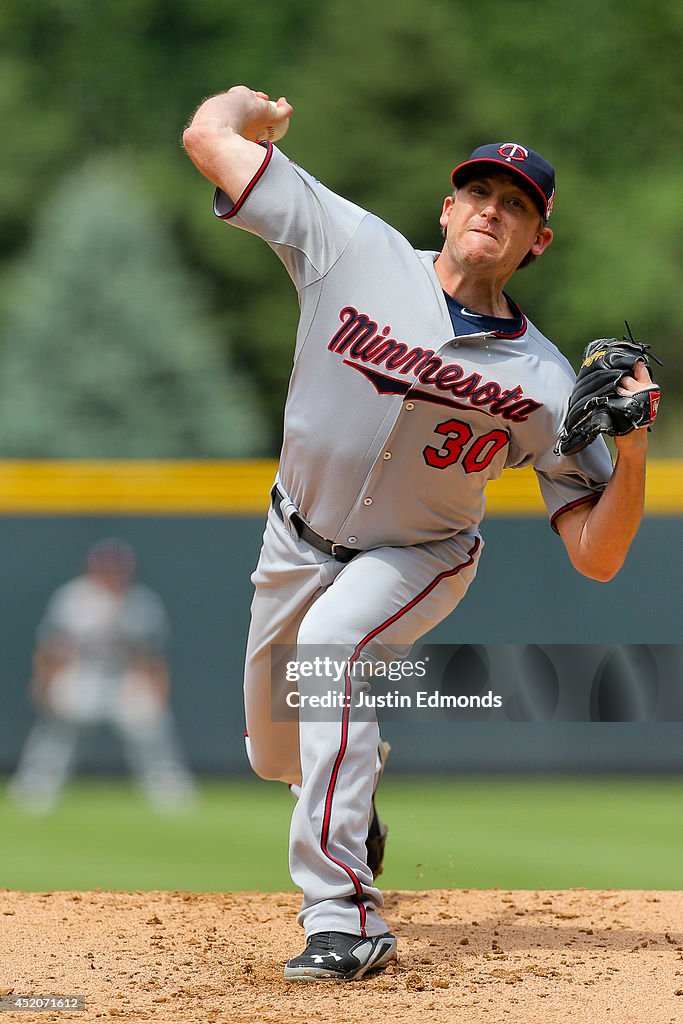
(139, 487)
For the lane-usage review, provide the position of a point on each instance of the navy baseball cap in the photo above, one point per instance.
(112, 553)
(536, 174)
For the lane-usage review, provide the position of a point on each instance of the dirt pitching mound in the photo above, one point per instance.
(493, 957)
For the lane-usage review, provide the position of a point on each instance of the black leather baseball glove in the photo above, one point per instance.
(597, 405)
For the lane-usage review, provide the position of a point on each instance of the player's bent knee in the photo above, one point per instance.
(273, 766)
(265, 770)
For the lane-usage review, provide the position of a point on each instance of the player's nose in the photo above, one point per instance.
(491, 210)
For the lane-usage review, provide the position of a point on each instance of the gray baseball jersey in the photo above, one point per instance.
(394, 423)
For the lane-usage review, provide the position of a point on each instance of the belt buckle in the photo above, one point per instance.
(340, 552)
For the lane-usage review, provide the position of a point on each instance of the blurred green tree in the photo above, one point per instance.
(107, 347)
(388, 96)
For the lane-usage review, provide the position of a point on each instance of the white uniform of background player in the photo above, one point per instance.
(403, 402)
(100, 661)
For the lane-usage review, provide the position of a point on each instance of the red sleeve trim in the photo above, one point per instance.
(250, 186)
(572, 504)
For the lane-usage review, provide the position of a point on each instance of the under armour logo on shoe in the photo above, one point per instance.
(319, 957)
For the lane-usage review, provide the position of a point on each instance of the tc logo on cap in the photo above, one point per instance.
(513, 151)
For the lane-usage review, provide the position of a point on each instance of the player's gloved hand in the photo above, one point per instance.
(614, 393)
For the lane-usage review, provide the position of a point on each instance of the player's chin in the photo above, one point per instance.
(481, 255)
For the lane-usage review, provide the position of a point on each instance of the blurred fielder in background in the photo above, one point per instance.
(99, 660)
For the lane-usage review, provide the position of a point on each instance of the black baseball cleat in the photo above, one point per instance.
(337, 956)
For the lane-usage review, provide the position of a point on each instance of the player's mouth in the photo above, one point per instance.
(483, 231)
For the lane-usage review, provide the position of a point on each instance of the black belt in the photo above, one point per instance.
(308, 535)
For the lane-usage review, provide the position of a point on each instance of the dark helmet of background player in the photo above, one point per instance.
(536, 176)
(112, 560)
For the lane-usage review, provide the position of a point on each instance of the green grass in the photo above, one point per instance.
(476, 833)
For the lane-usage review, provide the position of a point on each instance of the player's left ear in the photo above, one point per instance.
(544, 237)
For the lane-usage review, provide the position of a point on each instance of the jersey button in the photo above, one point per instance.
(367, 501)
(352, 540)
(386, 456)
(410, 405)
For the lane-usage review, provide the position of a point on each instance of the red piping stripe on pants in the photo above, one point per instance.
(358, 888)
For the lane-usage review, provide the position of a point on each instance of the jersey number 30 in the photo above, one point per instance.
(475, 456)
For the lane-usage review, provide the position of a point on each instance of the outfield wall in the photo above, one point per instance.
(197, 534)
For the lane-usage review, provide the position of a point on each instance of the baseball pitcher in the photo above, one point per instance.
(416, 379)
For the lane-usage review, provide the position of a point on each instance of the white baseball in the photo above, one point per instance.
(271, 132)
